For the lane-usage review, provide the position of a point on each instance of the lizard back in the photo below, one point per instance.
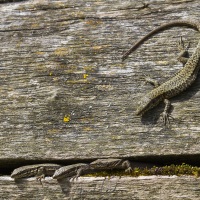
(182, 80)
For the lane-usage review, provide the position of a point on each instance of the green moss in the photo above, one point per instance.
(178, 170)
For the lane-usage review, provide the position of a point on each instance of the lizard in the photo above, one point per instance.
(68, 171)
(105, 164)
(79, 169)
(179, 82)
(38, 170)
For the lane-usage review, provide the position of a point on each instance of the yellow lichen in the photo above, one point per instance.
(66, 118)
(85, 76)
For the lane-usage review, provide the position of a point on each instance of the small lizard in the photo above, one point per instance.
(68, 171)
(178, 83)
(77, 170)
(38, 170)
(111, 163)
(114, 163)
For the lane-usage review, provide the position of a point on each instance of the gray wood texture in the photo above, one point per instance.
(126, 188)
(66, 94)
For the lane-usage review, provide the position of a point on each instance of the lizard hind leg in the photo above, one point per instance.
(81, 171)
(152, 81)
(165, 114)
(183, 55)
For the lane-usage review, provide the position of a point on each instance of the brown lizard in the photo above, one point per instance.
(68, 171)
(79, 169)
(38, 170)
(181, 81)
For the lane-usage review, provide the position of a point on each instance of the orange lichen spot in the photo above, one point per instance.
(61, 51)
(66, 118)
(97, 47)
(93, 22)
(55, 78)
(87, 129)
(89, 68)
(39, 53)
(85, 76)
(53, 131)
(34, 25)
(19, 44)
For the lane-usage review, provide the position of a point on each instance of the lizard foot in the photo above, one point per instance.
(181, 45)
(165, 114)
(126, 164)
(150, 80)
(183, 56)
(129, 170)
(40, 174)
(39, 178)
(165, 118)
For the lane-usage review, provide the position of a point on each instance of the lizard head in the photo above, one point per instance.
(146, 103)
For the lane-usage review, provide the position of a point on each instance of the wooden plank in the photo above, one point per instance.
(152, 187)
(66, 94)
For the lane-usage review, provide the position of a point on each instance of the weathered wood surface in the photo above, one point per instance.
(61, 59)
(153, 187)
(66, 94)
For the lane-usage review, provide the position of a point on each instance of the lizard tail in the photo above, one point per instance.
(191, 24)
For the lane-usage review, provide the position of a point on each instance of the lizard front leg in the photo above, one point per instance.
(127, 166)
(40, 174)
(183, 51)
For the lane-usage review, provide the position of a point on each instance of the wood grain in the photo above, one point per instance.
(67, 96)
(153, 187)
